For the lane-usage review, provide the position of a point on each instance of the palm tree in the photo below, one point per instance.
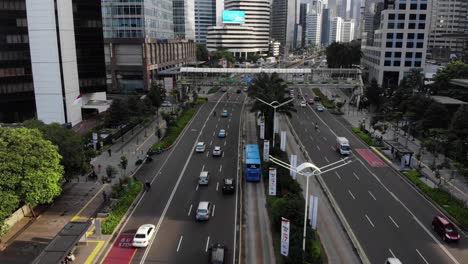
(269, 88)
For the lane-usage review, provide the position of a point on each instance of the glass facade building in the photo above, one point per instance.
(205, 17)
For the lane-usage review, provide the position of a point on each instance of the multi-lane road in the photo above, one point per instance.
(387, 215)
(174, 196)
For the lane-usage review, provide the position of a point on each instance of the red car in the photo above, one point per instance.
(445, 229)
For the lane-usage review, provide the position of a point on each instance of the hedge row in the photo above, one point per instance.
(174, 130)
(289, 203)
(452, 205)
(126, 197)
(366, 137)
(324, 100)
(213, 90)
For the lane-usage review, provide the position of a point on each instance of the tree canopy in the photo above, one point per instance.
(30, 170)
(343, 55)
(442, 86)
(223, 54)
(69, 143)
(202, 52)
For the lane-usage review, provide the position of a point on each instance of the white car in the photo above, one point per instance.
(303, 104)
(166, 104)
(320, 108)
(143, 235)
(200, 148)
(217, 151)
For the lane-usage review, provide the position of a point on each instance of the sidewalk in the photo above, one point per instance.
(80, 200)
(453, 183)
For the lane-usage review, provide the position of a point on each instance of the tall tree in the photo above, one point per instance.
(202, 52)
(29, 167)
(442, 86)
(157, 95)
(70, 146)
(435, 117)
(118, 113)
(343, 55)
(415, 80)
(374, 95)
(459, 122)
(224, 54)
(269, 88)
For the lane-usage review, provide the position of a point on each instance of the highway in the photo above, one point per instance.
(387, 215)
(173, 199)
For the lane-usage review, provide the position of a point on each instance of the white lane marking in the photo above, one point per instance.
(391, 252)
(326, 159)
(368, 219)
(207, 243)
(207, 153)
(318, 147)
(217, 185)
(222, 154)
(338, 175)
(214, 207)
(180, 242)
(228, 126)
(350, 193)
(306, 130)
(190, 209)
(219, 119)
(441, 246)
(394, 196)
(224, 143)
(372, 195)
(216, 125)
(203, 167)
(211, 142)
(214, 132)
(332, 148)
(229, 119)
(422, 256)
(355, 175)
(311, 138)
(196, 188)
(393, 221)
(325, 138)
(220, 167)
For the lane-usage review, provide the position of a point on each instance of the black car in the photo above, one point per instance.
(238, 91)
(218, 254)
(228, 185)
(317, 99)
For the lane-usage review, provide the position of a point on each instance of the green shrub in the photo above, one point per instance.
(174, 130)
(444, 199)
(126, 198)
(213, 90)
(324, 99)
(366, 137)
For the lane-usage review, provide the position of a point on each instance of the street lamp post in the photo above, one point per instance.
(275, 105)
(315, 172)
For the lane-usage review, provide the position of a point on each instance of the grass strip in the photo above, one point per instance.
(174, 131)
(127, 196)
(444, 199)
(324, 100)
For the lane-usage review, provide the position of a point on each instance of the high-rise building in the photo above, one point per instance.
(184, 19)
(343, 9)
(50, 53)
(336, 27)
(370, 20)
(347, 31)
(139, 43)
(205, 17)
(285, 17)
(314, 28)
(448, 27)
(303, 11)
(325, 36)
(252, 36)
(400, 43)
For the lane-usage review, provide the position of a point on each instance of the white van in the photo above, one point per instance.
(203, 210)
(204, 178)
(393, 261)
(342, 146)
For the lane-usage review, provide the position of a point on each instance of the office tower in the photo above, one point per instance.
(400, 43)
(205, 17)
(314, 28)
(184, 19)
(139, 43)
(347, 31)
(448, 28)
(343, 9)
(303, 11)
(370, 20)
(286, 17)
(336, 27)
(50, 54)
(250, 35)
(325, 36)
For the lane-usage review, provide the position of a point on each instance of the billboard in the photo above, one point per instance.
(233, 17)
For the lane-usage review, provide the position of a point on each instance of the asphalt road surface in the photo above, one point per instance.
(388, 216)
(173, 199)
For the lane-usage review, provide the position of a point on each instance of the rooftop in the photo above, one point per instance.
(447, 100)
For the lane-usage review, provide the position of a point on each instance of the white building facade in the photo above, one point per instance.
(205, 17)
(400, 44)
(313, 28)
(336, 27)
(347, 31)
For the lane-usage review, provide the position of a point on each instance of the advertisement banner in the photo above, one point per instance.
(283, 141)
(262, 130)
(284, 236)
(313, 211)
(233, 17)
(292, 171)
(168, 83)
(266, 150)
(272, 182)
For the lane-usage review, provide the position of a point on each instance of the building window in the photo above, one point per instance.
(421, 26)
(402, 7)
(391, 16)
(409, 44)
(419, 45)
(401, 25)
(422, 17)
(387, 63)
(414, 6)
(418, 55)
(389, 35)
(417, 64)
(389, 44)
(407, 63)
(410, 35)
(398, 44)
(391, 25)
(396, 63)
(409, 55)
(401, 16)
(423, 7)
(397, 54)
(399, 35)
(412, 25)
(420, 35)
(412, 16)
(388, 54)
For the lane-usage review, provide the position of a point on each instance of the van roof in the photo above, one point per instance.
(342, 139)
(204, 173)
(203, 205)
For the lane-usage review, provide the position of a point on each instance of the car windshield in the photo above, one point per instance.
(449, 229)
(140, 236)
(217, 255)
(201, 211)
(345, 147)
